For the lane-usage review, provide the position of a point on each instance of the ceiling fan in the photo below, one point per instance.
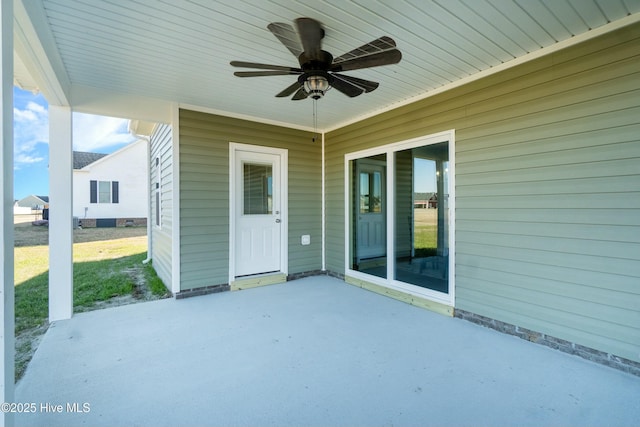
(319, 70)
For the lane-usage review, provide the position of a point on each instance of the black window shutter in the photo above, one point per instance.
(93, 191)
(114, 192)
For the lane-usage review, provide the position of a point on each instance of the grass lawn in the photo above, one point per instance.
(106, 272)
(426, 232)
(426, 236)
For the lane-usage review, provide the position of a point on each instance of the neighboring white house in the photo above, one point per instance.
(31, 204)
(111, 190)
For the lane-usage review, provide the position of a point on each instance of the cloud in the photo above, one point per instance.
(99, 134)
(27, 159)
(31, 128)
(90, 133)
(32, 114)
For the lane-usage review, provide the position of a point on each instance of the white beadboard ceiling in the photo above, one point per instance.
(179, 50)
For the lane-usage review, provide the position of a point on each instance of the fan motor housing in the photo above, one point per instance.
(322, 63)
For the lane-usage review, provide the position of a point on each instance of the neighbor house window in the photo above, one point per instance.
(104, 192)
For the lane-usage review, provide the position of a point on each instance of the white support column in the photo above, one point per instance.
(60, 214)
(7, 355)
(175, 195)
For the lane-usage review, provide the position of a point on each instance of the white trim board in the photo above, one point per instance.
(246, 117)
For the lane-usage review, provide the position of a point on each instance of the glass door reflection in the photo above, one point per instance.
(422, 212)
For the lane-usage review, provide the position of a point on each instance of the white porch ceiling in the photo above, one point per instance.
(179, 50)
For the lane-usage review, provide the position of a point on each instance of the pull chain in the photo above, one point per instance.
(315, 120)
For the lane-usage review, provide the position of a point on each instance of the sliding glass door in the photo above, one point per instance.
(399, 214)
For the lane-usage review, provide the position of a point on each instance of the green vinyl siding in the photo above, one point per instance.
(204, 194)
(161, 241)
(547, 190)
(404, 227)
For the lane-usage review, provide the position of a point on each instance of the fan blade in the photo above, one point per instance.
(367, 85)
(311, 34)
(378, 45)
(263, 66)
(287, 36)
(289, 91)
(374, 60)
(300, 94)
(346, 87)
(264, 73)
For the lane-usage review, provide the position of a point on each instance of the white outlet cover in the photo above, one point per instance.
(305, 239)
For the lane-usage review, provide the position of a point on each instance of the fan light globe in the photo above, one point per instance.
(316, 86)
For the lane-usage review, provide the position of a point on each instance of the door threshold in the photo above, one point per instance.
(248, 282)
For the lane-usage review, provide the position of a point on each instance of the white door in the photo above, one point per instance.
(258, 219)
(370, 211)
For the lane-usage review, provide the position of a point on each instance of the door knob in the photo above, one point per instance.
(278, 220)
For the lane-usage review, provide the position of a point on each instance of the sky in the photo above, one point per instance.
(97, 134)
(424, 179)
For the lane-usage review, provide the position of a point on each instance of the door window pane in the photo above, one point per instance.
(370, 192)
(258, 189)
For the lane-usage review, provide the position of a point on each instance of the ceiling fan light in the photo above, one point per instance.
(316, 86)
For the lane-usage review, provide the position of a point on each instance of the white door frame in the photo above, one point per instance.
(235, 147)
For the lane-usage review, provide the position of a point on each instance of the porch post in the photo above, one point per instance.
(7, 358)
(60, 214)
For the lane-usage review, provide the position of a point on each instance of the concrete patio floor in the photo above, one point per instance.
(312, 352)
